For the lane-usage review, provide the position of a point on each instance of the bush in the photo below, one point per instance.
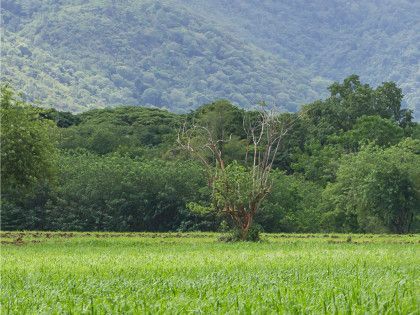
(234, 235)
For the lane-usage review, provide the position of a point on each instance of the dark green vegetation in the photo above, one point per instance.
(349, 164)
(131, 273)
(179, 54)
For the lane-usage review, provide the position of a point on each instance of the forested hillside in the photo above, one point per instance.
(349, 163)
(77, 55)
(332, 39)
(178, 54)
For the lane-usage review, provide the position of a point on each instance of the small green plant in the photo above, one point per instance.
(224, 226)
(170, 273)
(235, 235)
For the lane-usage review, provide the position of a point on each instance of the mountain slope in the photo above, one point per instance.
(179, 54)
(148, 53)
(378, 40)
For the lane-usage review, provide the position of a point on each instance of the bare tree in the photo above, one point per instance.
(238, 190)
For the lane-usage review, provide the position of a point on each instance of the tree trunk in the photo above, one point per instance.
(247, 222)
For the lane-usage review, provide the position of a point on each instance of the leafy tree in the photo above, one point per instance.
(28, 162)
(318, 163)
(130, 130)
(292, 205)
(341, 164)
(353, 115)
(293, 143)
(62, 119)
(351, 100)
(119, 193)
(381, 131)
(221, 118)
(376, 189)
(238, 190)
(28, 144)
(389, 98)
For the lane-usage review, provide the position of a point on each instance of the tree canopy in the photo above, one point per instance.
(348, 163)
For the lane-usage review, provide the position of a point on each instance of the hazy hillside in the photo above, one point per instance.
(179, 54)
(379, 40)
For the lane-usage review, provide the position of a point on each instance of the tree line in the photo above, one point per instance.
(348, 163)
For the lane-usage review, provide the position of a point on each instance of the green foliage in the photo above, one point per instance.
(224, 121)
(119, 193)
(61, 119)
(236, 235)
(235, 192)
(76, 55)
(349, 163)
(318, 163)
(351, 100)
(376, 38)
(354, 114)
(233, 187)
(292, 205)
(222, 118)
(27, 145)
(80, 55)
(134, 131)
(370, 129)
(376, 189)
(28, 163)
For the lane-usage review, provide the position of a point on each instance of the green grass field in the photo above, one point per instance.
(145, 273)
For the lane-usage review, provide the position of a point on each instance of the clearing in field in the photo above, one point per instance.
(145, 273)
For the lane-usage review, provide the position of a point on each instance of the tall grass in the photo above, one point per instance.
(193, 273)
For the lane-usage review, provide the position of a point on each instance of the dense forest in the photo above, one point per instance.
(349, 163)
(178, 54)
